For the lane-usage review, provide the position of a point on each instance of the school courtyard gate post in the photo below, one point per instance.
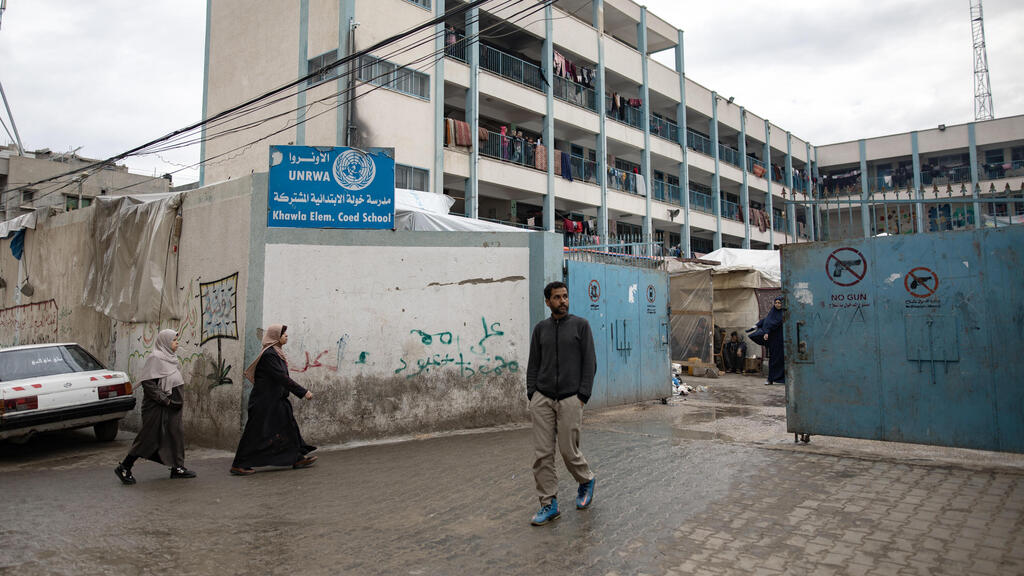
(624, 297)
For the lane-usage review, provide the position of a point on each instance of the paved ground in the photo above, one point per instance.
(707, 484)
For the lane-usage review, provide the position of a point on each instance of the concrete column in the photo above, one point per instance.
(972, 147)
(817, 208)
(744, 190)
(790, 208)
(716, 191)
(472, 195)
(547, 64)
(864, 212)
(684, 167)
(206, 90)
(346, 16)
(439, 45)
(918, 192)
(645, 110)
(809, 209)
(602, 117)
(767, 158)
(303, 69)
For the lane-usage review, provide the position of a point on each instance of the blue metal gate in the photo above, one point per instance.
(908, 338)
(627, 308)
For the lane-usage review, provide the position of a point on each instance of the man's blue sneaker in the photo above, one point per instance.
(585, 494)
(546, 513)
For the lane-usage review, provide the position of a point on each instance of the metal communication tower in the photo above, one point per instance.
(982, 88)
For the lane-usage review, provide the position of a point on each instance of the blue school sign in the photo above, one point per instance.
(313, 187)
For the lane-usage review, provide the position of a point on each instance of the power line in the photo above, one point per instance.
(428, 61)
(354, 56)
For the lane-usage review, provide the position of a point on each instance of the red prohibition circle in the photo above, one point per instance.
(921, 282)
(846, 260)
(652, 294)
(594, 290)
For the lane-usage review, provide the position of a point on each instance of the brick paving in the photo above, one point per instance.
(678, 492)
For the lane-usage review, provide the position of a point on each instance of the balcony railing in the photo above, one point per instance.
(510, 67)
(697, 142)
(626, 114)
(622, 180)
(583, 170)
(494, 60)
(729, 155)
(665, 192)
(664, 129)
(731, 210)
(508, 149)
(751, 162)
(701, 202)
(573, 93)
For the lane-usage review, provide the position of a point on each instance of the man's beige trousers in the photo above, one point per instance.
(559, 421)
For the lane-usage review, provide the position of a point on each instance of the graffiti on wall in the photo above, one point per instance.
(35, 323)
(446, 349)
(218, 308)
(440, 349)
(210, 314)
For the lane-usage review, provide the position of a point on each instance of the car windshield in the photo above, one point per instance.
(45, 361)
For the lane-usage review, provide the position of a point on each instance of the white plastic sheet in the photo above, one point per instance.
(131, 278)
(13, 225)
(426, 211)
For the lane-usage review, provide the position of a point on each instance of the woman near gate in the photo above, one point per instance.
(769, 333)
(271, 436)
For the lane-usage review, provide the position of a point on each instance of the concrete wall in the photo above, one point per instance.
(400, 339)
(213, 246)
(394, 332)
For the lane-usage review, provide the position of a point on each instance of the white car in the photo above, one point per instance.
(59, 386)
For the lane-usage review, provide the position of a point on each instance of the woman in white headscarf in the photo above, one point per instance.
(162, 436)
(271, 436)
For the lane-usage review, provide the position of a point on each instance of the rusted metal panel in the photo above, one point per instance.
(908, 338)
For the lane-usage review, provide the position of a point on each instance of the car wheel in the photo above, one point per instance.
(105, 431)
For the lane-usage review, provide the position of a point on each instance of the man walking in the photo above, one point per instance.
(559, 377)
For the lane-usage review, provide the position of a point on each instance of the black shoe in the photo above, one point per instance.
(124, 474)
(180, 472)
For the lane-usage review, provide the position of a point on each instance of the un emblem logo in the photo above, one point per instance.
(354, 170)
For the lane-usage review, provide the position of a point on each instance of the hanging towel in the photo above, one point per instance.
(566, 166)
(462, 137)
(540, 155)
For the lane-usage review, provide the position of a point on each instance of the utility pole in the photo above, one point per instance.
(982, 87)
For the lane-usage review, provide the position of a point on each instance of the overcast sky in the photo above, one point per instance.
(111, 75)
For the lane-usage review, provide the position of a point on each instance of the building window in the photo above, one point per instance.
(412, 178)
(71, 202)
(394, 77)
(421, 3)
(320, 61)
(27, 196)
(994, 156)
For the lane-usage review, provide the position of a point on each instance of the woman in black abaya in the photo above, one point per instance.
(771, 328)
(271, 436)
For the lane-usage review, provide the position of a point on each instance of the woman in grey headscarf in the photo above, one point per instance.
(162, 436)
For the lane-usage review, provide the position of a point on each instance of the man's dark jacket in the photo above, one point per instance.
(562, 359)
